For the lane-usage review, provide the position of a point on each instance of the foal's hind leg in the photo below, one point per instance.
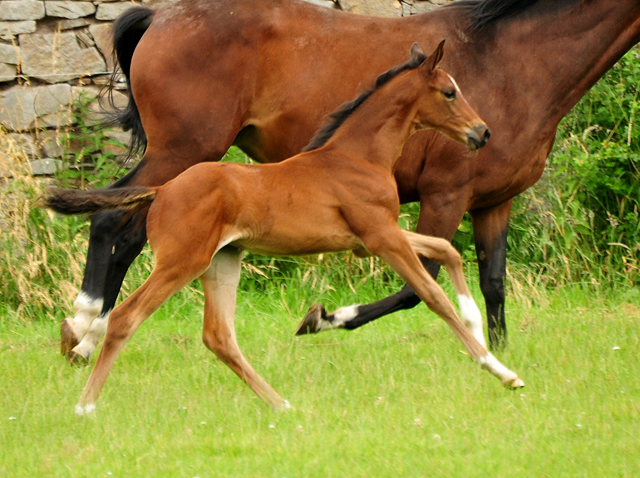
(125, 320)
(393, 246)
(220, 283)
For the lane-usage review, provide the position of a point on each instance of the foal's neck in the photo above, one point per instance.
(377, 130)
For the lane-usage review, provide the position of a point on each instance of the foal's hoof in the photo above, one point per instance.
(68, 339)
(312, 321)
(77, 360)
(514, 384)
(283, 406)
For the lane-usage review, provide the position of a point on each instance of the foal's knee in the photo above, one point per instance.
(450, 256)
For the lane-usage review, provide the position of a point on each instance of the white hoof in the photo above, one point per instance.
(283, 406)
(514, 384)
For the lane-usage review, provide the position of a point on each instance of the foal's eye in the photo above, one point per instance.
(449, 94)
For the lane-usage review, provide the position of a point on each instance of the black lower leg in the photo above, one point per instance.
(127, 247)
(406, 298)
(492, 269)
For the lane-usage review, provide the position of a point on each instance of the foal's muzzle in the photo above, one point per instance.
(478, 137)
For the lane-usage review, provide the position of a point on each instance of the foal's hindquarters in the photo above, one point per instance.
(200, 222)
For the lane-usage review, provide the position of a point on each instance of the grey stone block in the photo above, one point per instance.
(22, 144)
(58, 57)
(380, 8)
(45, 166)
(9, 54)
(74, 23)
(103, 37)
(22, 108)
(111, 11)
(7, 72)
(21, 10)
(8, 30)
(69, 9)
(323, 3)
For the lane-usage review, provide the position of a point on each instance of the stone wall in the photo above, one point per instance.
(53, 52)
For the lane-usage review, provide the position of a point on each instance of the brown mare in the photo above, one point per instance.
(261, 74)
(338, 195)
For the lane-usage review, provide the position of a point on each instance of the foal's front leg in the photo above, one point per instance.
(444, 253)
(393, 246)
(434, 248)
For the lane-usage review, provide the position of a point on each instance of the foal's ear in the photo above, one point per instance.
(434, 58)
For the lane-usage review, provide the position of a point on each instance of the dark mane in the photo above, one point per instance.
(484, 12)
(339, 116)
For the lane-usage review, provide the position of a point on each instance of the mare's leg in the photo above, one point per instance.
(436, 251)
(220, 283)
(126, 248)
(115, 241)
(394, 247)
(90, 301)
(490, 228)
(354, 316)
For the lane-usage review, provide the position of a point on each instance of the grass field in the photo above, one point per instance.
(395, 398)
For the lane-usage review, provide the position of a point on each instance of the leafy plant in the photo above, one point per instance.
(581, 222)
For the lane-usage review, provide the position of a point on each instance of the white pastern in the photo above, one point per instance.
(87, 410)
(93, 336)
(86, 309)
(471, 317)
(341, 316)
(506, 376)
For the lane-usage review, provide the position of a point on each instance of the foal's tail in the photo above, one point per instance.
(127, 32)
(72, 201)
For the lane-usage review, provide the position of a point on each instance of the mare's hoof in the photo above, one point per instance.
(514, 384)
(311, 323)
(77, 360)
(68, 339)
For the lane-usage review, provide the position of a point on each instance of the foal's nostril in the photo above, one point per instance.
(481, 135)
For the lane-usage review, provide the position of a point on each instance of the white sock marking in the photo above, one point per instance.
(342, 315)
(86, 309)
(471, 317)
(493, 365)
(93, 336)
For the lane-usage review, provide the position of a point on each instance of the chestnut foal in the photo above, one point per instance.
(338, 195)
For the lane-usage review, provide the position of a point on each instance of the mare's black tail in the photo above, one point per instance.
(127, 32)
(72, 201)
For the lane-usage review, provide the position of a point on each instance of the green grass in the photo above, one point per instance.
(395, 398)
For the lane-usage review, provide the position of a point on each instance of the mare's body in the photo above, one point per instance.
(261, 74)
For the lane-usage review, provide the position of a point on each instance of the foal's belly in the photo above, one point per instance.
(298, 232)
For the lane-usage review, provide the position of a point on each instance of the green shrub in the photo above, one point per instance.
(581, 222)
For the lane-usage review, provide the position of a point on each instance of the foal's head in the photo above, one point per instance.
(442, 106)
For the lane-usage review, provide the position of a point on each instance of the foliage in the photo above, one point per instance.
(42, 255)
(581, 222)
